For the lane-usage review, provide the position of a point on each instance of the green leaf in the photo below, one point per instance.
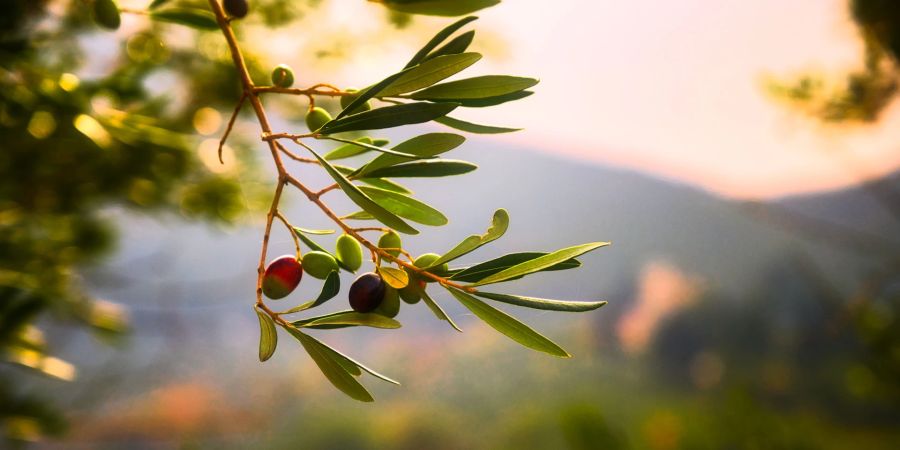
(107, 15)
(429, 72)
(395, 278)
(387, 185)
(363, 201)
(389, 117)
(438, 311)
(316, 247)
(542, 303)
(348, 318)
(157, 4)
(395, 153)
(335, 369)
(405, 206)
(352, 365)
(368, 93)
(459, 44)
(330, 288)
(424, 146)
(499, 224)
(268, 336)
(477, 87)
(489, 101)
(508, 325)
(358, 215)
(438, 7)
(438, 38)
(194, 18)
(540, 263)
(488, 268)
(348, 150)
(473, 127)
(424, 169)
(315, 232)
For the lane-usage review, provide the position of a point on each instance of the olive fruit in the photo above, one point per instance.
(106, 14)
(316, 118)
(392, 241)
(283, 76)
(390, 304)
(282, 276)
(236, 8)
(412, 293)
(367, 292)
(426, 260)
(347, 99)
(319, 264)
(349, 252)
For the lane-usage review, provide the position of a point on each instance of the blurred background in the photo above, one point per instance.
(741, 156)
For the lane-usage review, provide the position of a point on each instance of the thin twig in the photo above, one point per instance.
(231, 121)
(290, 229)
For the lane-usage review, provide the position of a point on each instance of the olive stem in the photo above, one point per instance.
(231, 121)
(290, 229)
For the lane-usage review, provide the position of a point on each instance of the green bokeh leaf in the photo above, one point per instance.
(438, 311)
(389, 117)
(540, 263)
(499, 224)
(473, 127)
(475, 88)
(542, 303)
(424, 169)
(488, 268)
(405, 206)
(268, 336)
(438, 38)
(508, 325)
(429, 72)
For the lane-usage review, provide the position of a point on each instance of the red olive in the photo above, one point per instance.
(367, 292)
(282, 276)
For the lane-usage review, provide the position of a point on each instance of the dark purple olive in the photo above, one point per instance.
(367, 292)
(236, 8)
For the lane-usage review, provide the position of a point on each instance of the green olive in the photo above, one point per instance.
(392, 241)
(283, 76)
(347, 99)
(412, 293)
(349, 252)
(426, 260)
(390, 304)
(106, 14)
(316, 118)
(319, 264)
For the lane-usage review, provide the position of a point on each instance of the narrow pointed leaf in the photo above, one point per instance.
(424, 146)
(438, 311)
(477, 87)
(394, 153)
(194, 18)
(541, 263)
(488, 268)
(489, 101)
(438, 7)
(438, 38)
(353, 365)
(424, 169)
(335, 371)
(368, 93)
(358, 215)
(430, 72)
(315, 232)
(349, 318)
(387, 185)
(268, 336)
(470, 127)
(405, 206)
(508, 325)
(389, 117)
(542, 303)
(499, 224)
(348, 150)
(363, 201)
(316, 247)
(458, 44)
(395, 278)
(330, 288)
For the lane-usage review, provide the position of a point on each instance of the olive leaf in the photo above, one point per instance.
(268, 336)
(457, 45)
(499, 224)
(387, 185)
(347, 318)
(389, 117)
(190, 17)
(438, 7)
(438, 311)
(365, 95)
(358, 215)
(488, 268)
(540, 263)
(429, 72)
(405, 206)
(363, 201)
(334, 369)
(423, 169)
(354, 366)
(488, 101)
(376, 148)
(541, 303)
(438, 38)
(315, 232)
(470, 127)
(349, 150)
(423, 146)
(474, 88)
(508, 325)
(330, 288)
(395, 278)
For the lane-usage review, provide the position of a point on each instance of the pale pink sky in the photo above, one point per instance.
(669, 87)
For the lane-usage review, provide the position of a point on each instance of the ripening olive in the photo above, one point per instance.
(316, 118)
(428, 259)
(347, 99)
(236, 8)
(106, 14)
(319, 264)
(283, 76)
(367, 292)
(349, 252)
(412, 293)
(282, 276)
(392, 241)
(390, 304)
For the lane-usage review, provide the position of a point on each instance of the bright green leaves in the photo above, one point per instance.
(540, 263)
(439, 38)
(508, 325)
(395, 278)
(424, 169)
(363, 201)
(360, 98)
(106, 14)
(499, 224)
(348, 318)
(405, 206)
(438, 7)
(190, 17)
(488, 268)
(542, 303)
(336, 369)
(268, 336)
(376, 148)
(424, 146)
(470, 127)
(349, 149)
(429, 73)
(488, 86)
(388, 117)
(458, 44)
